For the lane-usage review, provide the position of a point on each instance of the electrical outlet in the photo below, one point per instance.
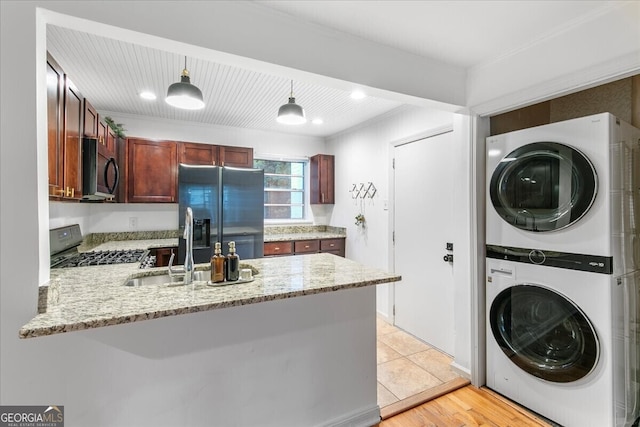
(133, 222)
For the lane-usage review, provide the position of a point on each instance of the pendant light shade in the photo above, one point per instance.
(183, 94)
(291, 113)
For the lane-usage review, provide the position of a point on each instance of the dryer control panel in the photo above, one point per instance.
(590, 263)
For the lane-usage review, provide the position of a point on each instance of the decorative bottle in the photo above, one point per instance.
(217, 264)
(233, 263)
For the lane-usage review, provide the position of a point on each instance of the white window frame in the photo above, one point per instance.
(306, 210)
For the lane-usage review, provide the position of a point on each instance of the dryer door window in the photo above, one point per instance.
(544, 333)
(543, 186)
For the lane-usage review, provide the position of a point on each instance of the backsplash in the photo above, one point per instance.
(94, 239)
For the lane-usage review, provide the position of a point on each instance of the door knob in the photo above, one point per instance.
(448, 258)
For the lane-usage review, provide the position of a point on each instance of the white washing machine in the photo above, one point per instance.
(561, 341)
(552, 186)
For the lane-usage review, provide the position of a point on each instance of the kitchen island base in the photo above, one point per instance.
(304, 361)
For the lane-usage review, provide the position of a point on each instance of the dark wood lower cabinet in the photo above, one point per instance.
(334, 246)
(278, 248)
(301, 247)
(306, 246)
(163, 255)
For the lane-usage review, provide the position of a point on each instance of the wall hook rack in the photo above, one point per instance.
(363, 191)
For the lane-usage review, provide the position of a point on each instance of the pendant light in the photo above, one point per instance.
(291, 113)
(183, 94)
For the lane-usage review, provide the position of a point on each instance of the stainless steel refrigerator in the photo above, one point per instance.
(227, 204)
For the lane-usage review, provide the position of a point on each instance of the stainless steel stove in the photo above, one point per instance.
(64, 242)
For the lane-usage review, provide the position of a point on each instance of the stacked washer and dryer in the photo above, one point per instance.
(563, 270)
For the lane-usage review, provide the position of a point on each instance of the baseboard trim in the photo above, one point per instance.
(420, 398)
(384, 317)
(363, 418)
(461, 370)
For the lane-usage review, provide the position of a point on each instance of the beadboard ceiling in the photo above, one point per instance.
(111, 73)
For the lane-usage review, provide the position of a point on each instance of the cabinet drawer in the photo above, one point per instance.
(278, 248)
(327, 245)
(307, 246)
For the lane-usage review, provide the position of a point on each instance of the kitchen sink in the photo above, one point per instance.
(166, 280)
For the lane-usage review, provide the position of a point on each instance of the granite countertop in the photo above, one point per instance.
(167, 238)
(134, 244)
(92, 297)
(302, 232)
(303, 236)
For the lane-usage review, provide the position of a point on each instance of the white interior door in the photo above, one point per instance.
(423, 225)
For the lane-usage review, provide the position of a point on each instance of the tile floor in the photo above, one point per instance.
(406, 365)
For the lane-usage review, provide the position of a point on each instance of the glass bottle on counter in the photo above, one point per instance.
(217, 265)
(233, 263)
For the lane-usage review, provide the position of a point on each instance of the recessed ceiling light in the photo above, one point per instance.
(317, 121)
(357, 94)
(148, 95)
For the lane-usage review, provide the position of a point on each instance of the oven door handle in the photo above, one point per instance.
(111, 161)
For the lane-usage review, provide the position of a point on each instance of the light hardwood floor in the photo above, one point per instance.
(411, 373)
(469, 407)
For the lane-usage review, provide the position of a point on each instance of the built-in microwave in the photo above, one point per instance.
(100, 173)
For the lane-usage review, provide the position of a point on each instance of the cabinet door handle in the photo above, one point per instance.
(332, 245)
(70, 191)
(277, 249)
(322, 197)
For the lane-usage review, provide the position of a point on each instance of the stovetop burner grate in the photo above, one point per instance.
(83, 259)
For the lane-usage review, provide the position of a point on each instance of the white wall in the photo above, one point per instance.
(114, 217)
(363, 155)
(110, 217)
(598, 48)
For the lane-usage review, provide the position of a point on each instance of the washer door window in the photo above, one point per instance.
(544, 333)
(543, 186)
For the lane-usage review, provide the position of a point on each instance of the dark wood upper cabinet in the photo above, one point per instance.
(65, 126)
(239, 157)
(73, 128)
(55, 125)
(322, 179)
(152, 166)
(198, 154)
(152, 171)
(91, 120)
(111, 141)
(103, 132)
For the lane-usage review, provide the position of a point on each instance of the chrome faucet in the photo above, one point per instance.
(187, 269)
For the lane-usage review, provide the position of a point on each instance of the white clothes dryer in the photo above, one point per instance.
(561, 341)
(550, 186)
